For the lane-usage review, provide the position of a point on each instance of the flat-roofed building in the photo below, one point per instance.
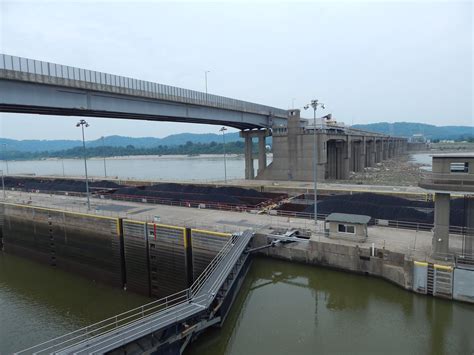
(347, 226)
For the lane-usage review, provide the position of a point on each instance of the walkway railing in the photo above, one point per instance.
(456, 179)
(189, 295)
(137, 87)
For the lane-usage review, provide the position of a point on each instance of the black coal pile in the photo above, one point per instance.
(197, 193)
(59, 185)
(388, 207)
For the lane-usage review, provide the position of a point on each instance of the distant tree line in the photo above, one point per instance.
(189, 148)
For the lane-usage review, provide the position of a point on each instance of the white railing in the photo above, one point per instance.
(165, 92)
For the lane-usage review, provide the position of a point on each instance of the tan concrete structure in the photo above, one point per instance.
(451, 173)
(339, 150)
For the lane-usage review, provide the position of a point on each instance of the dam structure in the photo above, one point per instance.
(38, 87)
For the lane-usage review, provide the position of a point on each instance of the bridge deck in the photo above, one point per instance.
(198, 300)
(33, 86)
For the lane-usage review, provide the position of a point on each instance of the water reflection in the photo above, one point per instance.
(290, 308)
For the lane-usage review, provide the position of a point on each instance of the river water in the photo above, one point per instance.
(210, 167)
(283, 308)
(204, 167)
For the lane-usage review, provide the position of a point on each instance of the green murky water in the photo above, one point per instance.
(283, 308)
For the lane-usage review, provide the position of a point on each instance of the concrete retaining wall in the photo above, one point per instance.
(388, 265)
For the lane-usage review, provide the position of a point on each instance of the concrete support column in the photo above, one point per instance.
(385, 149)
(249, 171)
(440, 241)
(362, 152)
(469, 241)
(378, 151)
(262, 152)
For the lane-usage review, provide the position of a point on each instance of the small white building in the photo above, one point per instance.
(347, 226)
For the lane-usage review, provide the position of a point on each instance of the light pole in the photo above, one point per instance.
(223, 129)
(314, 104)
(103, 147)
(3, 187)
(81, 124)
(205, 78)
(6, 158)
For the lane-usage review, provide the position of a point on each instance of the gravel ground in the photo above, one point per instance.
(395, 172)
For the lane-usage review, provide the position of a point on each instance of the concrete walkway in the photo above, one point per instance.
(410, 242)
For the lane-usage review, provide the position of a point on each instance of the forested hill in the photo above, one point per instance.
(403, 129)
(116, 141)
(407, 129)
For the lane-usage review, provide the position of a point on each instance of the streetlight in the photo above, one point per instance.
(103, 147)
(81, 124)
(205, 78)
(314, 104)
(6, 158)
(3, 187)
(223, 129)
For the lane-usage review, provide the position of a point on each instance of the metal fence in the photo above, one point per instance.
(139, 87)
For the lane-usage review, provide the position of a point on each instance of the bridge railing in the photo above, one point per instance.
(132, 86)
(132, 316)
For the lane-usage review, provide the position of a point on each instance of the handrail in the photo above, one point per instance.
(126, 318)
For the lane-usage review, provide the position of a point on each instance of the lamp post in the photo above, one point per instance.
(3, 187)
(205, 78)
(81, 124)
(223, 129)
(103, 147)
(314, 104)
(6, 158)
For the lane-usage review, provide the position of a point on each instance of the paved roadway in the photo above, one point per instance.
(399, 240)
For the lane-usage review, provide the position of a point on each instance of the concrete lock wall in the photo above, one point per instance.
(85, 244)
(205, 246)
(147, 258)
(388, 265)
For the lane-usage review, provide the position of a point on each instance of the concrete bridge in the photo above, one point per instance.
(32, 86)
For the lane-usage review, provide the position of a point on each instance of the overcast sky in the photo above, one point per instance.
(368, 61)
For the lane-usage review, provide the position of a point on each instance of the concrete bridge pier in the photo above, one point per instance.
(262, 151)
(370, 152)
(249, 170)
(248, 150)
(378, 150)
(385, 148)
(362, 154)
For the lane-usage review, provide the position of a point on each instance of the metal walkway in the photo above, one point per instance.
(196, 305)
